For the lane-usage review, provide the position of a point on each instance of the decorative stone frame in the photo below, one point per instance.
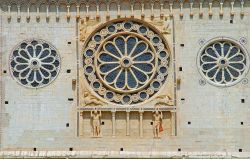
(113, 111)
(146, 24)
(229, 40)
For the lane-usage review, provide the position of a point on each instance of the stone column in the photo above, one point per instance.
(173, 113)
(141, 123)
(47, 11)
(127, 123)
(81, 129)
(77, 11)
(113, 123)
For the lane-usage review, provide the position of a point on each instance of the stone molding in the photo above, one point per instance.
(165, 108)
(166, 7)
(121, 154)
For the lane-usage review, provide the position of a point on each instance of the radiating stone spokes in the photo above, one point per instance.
(126, 61)
(223, 62)
(34, 63)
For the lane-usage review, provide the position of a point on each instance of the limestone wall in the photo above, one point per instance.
(203, 118)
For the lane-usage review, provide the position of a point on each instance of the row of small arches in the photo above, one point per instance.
(124, 4)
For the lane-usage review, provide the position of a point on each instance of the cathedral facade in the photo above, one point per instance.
(129, 78)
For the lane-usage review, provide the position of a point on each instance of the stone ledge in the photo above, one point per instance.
(120, 154)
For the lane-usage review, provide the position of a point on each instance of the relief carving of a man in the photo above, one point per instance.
(96, 123)
(157, 123)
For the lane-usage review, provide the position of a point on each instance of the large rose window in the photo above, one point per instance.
(223, 62)
(126, 62)
(34, 63)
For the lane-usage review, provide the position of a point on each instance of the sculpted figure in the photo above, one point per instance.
(96, 123)
(90, 100)
(157, 123)
(164, 100)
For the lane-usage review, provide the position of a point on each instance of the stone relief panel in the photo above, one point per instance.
(126, 124)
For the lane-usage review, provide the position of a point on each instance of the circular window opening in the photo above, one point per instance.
(34, 63)
(127, 61)
(223, 62)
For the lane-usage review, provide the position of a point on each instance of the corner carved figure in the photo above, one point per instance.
(90, 100)
(86, 27)
(96, 123)
(157, 123)
(165, 26)
(164, 100)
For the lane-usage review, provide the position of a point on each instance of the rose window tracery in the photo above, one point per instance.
(34, 63)
(125, 61)
(223, 62)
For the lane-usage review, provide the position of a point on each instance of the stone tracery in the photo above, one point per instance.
(34, 63)
(223, 62)
(126, 61)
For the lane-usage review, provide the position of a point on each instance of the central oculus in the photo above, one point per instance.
(126, 62)
(34, 64)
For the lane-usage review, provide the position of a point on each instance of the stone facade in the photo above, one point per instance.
(185, 66)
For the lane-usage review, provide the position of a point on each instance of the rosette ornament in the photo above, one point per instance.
(126, 63)
(223, 62)
(35, 63)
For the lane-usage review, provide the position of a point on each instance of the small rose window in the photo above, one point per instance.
(34, 63)
(223, 62)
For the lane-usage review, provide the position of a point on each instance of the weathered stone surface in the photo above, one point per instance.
(200, 120)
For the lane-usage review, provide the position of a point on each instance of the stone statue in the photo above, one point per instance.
(157, 123)
(96, 123)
